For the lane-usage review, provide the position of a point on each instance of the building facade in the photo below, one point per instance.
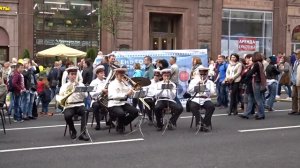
(221, 26)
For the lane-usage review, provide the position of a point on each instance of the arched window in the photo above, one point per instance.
(296, 34)
(4, 39)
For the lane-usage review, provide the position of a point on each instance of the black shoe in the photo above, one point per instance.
(293, 113)
(204, 129)
(120, 129)
(229, 113)
(73, 134)
(259, 118)
(97, 127)
(83, 137)
(32, 118)
(243, 116)
(26, 118)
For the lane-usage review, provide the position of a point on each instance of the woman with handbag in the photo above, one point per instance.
(284, 77)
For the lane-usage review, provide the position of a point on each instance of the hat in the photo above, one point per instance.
(202, 68)
(165, 71)
(98, 68)
(120, 69)
(156, 71)
(72, 69)
(273, 59)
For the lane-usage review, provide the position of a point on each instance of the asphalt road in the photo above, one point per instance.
(233, 142)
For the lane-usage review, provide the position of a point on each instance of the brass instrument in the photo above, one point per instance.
(135, 86)
(102, 98)
(62, 99)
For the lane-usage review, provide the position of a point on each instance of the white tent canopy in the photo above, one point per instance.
(61, 51)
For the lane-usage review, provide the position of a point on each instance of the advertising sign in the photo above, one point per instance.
(247, 44)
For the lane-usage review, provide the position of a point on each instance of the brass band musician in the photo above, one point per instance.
(74, 103)
(166, 99)
(201, 98)
(150, 96)
(118, 92)
(99, 84)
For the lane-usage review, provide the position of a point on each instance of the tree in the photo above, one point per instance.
(111, 14)
(91, 53)
(26, 54)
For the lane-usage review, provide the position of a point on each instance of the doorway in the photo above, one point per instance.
(163, 31)
(3, 54)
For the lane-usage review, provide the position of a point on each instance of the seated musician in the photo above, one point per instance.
(151, 90)
(201, 98)
(118, 92)
(166, 99)
(74, 103)
(99, 84)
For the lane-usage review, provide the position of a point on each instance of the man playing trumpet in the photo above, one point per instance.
(166, 99)
(73, 103)
(118, 92)
(201, 98)
(99, 88)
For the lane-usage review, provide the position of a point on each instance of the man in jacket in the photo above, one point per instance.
(296, 86)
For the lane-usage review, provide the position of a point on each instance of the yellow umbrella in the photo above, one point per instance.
(61, 51)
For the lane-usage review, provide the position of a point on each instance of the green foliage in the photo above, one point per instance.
(91, 53)
(26, 54)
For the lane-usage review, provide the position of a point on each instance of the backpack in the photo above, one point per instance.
(10, 86)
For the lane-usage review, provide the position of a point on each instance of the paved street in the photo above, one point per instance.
(233, 143)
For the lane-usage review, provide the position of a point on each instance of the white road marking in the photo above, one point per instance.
(268, 129)
(70, 145)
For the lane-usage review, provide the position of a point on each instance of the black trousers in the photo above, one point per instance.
(70, 112)
(176, 110)
(98, 111)
(125, 114)
(209, 110)
(234, 97)
(151, 104)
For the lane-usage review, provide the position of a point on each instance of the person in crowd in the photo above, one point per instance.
(284, 77)
(211, 71)
(296, 86)
(166, 99)
(222, 97)
(6, 70)
(233, 78)
(271, 73)
(148, 67)
(279, 55)
(99, 88)
(201, 98)
(54, 78)
(3, 92)
(45, 97)
(30, 82)
(40, 88)
(293, 58)
(196, 62)
(87, 72)
(119, 109)
(162, 64)
(74, 103)
(257, 78)
(18, 89)
(137, 70)
(174, 70)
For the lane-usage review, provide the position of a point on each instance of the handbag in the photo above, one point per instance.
(285, 79)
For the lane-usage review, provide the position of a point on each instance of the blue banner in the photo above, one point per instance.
(184, 61)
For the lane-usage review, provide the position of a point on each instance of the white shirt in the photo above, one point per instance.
(209, 87)
(165, 94)
(116, 92)
(151, 89)
(75, 97)
(98, 87)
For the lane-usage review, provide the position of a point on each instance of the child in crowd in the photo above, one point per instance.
(45, 97)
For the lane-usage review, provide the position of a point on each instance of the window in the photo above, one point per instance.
(246, 31)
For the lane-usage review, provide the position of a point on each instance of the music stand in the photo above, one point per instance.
(87, 89)
(138, 94)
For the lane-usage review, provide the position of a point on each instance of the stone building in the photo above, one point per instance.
(221, 26)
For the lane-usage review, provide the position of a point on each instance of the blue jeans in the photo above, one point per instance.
(272, 94)
(257, 97)
(45, 107)
(222, 94)
(17, 107)
(287, 89)
(27, 103)
(11, 104)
